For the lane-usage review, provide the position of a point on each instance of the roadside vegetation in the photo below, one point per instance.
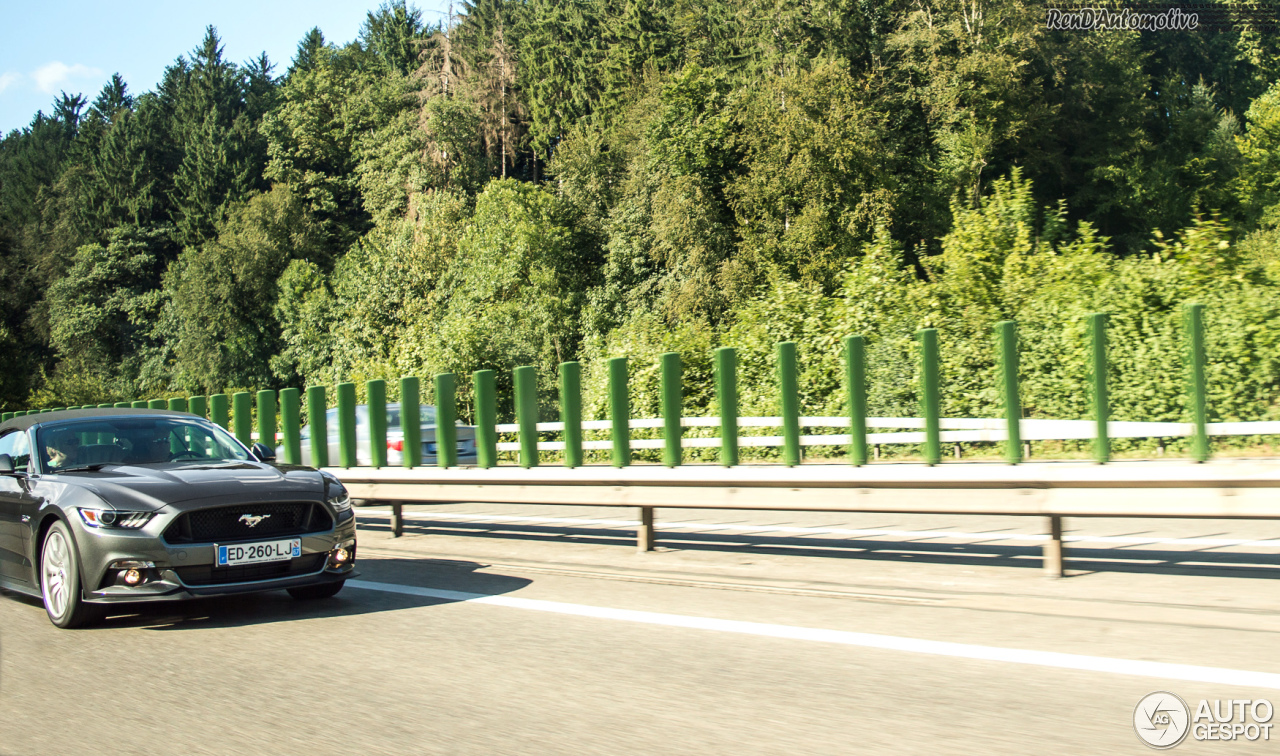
(535, 181)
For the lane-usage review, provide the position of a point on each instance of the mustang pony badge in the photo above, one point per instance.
(253, 520)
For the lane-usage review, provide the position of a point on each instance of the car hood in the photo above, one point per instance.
(155, 486)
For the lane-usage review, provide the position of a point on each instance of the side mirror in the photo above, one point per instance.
(263, 452)
(6, 464)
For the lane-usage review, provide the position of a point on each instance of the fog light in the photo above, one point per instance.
(341, 556)
(132, 577)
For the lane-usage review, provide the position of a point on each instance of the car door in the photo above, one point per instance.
(16, 507)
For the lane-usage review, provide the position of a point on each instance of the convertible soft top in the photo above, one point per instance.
(24, 422)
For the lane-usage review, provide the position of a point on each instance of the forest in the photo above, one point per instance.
(529, 182)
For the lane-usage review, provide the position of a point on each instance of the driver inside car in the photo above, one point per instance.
(63, 450)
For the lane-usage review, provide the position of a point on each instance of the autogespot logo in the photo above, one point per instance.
(1161, 720)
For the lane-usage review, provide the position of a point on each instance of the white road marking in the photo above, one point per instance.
(862, 533)
(1168, 671)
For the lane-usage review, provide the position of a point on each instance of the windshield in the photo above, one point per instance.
(134, 441)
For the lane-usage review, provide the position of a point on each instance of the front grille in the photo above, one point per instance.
(231, 524)
(211, 575)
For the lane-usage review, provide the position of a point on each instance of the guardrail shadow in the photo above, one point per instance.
(1080, 559)
(279, 606)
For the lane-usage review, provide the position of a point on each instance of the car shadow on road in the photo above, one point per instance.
(278, 606)
(1080, 559)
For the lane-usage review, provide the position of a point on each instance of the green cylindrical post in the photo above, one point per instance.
(1101, 395)
(198, 405)
(620, 411)
(267, 418)
(291, 425)
(242, 416)
(121, 405)
(571, 412)
(139, 404)
(376, 391)
(347, 425)
(727, 397)
(930, 395)
(1007, 346)
(6, 417)
(485, 383)
(178, 404)
(526, 406)
(317, 423)
(855, 378)
(157, 404)
(672, 398)
(447, 421)
(789, 393)
(104, 406)
(411, 422)
(218, 411)
(1198, 395)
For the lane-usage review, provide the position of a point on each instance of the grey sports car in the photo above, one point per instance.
(109, 506)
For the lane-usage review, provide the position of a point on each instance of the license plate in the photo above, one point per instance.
(254, 553)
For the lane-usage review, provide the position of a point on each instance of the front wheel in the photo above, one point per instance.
(60, 581)
(322, 591)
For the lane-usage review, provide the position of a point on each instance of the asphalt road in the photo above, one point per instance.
(490, 630)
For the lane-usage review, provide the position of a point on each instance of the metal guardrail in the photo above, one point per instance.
(1052, 490)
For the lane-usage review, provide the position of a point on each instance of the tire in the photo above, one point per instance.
(322, 591)
(60, 581)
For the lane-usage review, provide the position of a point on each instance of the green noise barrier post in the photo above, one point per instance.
(318, 426)
(1007, 346)
(267, 418)
(789, 394)
(177, 404)
(446, 421)
(198, 406)
(671, 400)
(347, 425)
(219, 411)
(376, 403)
(571, 412)
(726, 368)
(855, 378)
(242, 416)
(1198, 393)
(1100, 395)
(291, 425)
(619, 412)
(526, 407)
(410, 422)
(930, 396)
(485, 384)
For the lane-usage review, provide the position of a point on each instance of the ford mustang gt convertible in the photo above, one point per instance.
(100, 507)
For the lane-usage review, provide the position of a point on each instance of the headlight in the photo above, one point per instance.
(112, 518)
(341, 501)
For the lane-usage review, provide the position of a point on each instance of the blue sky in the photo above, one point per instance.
(76, 46)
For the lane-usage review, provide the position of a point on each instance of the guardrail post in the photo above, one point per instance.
(727, 397)
(1007, 346)
(446, 421)
(218, 411)
(930, 398)
(620, 412)
(318, 423)
(242, 417)
(410, 422)
(376, 402)
(1194, 319)
(347, 425)
(571, 412)
(177, 404)
(671, 410)
(526, 407)
(267, 418)
(789, 392)
(1100, 395)
(397, 519)
(198, 405)
(855, 377)
(1052, 553)
(291, 425)
(644, 534)
(485, 382)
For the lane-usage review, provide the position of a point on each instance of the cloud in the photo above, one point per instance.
(51, 76)
(7, 79)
